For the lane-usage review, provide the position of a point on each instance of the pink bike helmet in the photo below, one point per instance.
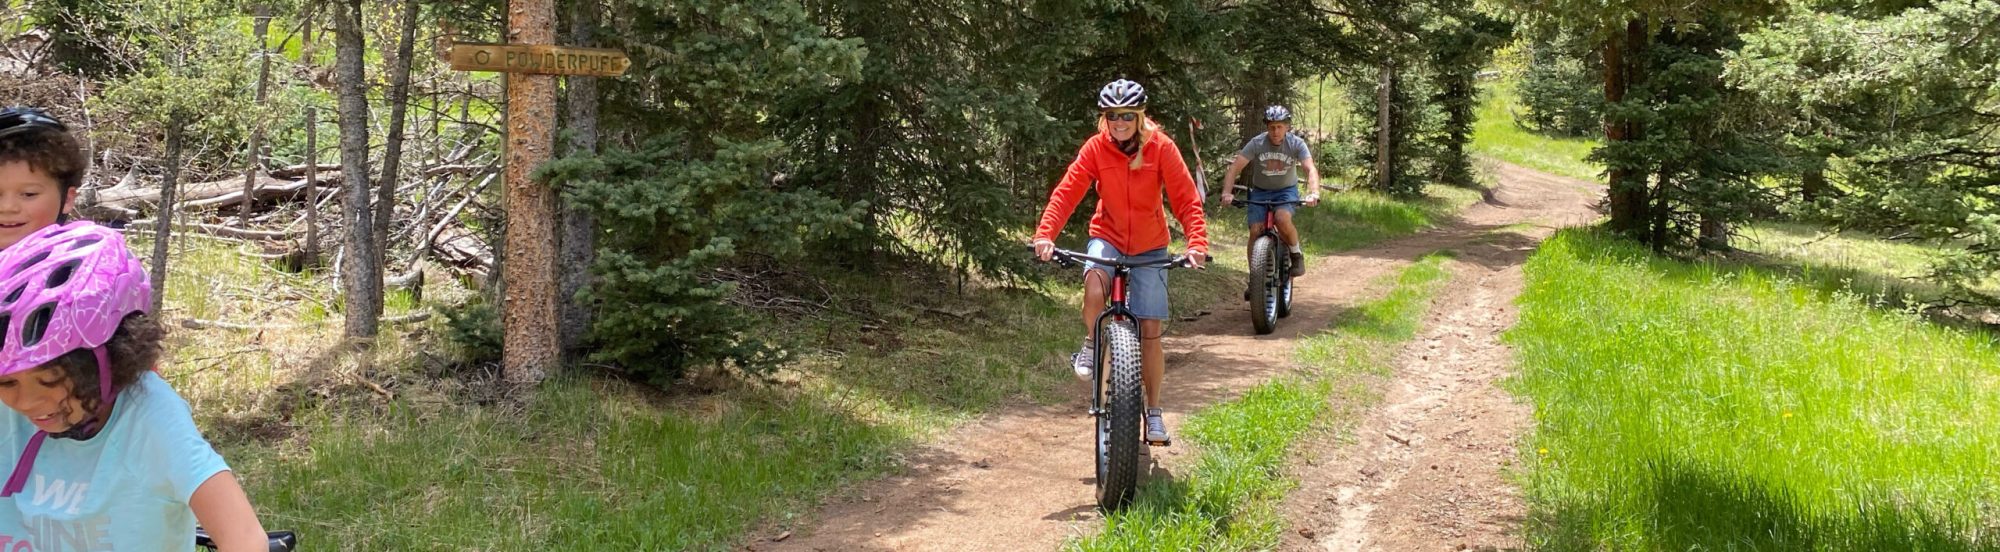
(63, 288)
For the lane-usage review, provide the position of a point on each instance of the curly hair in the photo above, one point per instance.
(52, 152)
(133, 350)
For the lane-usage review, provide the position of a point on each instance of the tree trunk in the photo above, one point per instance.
(1253, 96)
(255, 156)
(1461, 94)
(361, 275)
(1385, 149)
(311, 257)
(1814, 185)
(165, 232)
(313, 175)
(1714, 233)
(531, 344)
(392, 159)
(1622, 66)
(1657, 200)
(577, 243)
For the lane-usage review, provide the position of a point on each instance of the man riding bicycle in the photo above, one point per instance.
(1131, 164)
(1278, 153)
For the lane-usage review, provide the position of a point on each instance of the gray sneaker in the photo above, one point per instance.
(1084, 361)
(1156, 427)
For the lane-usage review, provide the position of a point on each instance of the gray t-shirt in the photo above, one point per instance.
(1275, 167)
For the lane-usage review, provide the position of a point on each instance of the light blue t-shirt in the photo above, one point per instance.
(125, 489)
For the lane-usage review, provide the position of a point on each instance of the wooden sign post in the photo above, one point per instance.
(538, 59)
(528, 275)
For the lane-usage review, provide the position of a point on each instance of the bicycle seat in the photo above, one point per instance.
(280, 541)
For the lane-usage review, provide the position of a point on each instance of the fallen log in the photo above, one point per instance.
(105, 212)
(298, 171)
(215, 230)
(460, 170)
(144, 199)
(267, 192)
(200, 324)
(413, 281)
(464, 250)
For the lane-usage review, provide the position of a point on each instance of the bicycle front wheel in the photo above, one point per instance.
(1264, 280)
(1118, 427)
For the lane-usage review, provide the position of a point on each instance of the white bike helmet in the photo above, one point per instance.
(1121, 93)
(1277, 113)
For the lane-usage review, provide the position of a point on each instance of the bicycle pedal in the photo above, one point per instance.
(1166, 443)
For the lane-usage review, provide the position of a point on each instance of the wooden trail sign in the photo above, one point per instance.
(529, 313)
(538, 59)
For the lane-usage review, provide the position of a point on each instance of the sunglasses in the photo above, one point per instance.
(15, 120)
(1122, 115)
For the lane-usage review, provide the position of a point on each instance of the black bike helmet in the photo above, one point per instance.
(23, 120)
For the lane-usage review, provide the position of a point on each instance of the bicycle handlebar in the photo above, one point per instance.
(1243, 202)
(280, 541)
(1066, 257)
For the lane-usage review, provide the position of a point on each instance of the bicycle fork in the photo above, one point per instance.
(1117, 313)
(1114, 305)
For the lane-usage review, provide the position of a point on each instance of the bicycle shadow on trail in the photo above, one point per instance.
(1490, 246)
(1158, 479)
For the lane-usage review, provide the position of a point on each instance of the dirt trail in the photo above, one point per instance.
(1424, 469)
(1019, 480)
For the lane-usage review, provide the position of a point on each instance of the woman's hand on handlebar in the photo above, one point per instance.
(1044, 249)
(1197, 258)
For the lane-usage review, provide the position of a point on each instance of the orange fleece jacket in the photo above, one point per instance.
(1128, 201)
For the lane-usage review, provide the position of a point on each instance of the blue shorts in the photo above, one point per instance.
(1257, 211)
(1147, 294)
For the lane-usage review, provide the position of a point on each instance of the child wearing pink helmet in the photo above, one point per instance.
(111, 458)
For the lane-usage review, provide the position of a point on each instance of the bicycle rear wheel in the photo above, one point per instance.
(1119, 425)
(1285, 291)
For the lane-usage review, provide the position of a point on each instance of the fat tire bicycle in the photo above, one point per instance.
(1270, 289)
(1117, 405)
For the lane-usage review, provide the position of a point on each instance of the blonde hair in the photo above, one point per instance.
(1145, 136)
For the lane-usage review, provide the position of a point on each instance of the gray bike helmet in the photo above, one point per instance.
(1121, 93)
(1277, 113)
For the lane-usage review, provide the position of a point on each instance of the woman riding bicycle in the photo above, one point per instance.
(1132, 163)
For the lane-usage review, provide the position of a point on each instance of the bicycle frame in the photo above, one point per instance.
(1115, 310)
(1270, 215)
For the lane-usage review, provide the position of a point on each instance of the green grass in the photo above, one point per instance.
(588, 465)
(1891, 272)
(1355, 219)
(595, 460)
(1229, 499)
(1496, 135)
(1708, 407)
